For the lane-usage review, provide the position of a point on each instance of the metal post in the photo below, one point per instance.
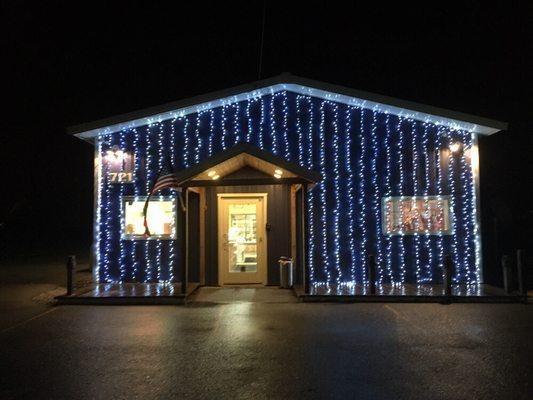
(521, 272)
(506, 270)
(71, 269)
(448, 273)
(371, 266)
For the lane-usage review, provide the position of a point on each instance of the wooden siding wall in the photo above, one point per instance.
(278, 216)
(193, 252)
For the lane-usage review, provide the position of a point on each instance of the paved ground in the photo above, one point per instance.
(242, 343)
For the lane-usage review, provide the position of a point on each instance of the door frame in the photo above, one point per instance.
(263, 246)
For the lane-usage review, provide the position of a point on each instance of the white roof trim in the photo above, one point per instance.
(299, 89)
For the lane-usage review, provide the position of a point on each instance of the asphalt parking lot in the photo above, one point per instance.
(261, 344)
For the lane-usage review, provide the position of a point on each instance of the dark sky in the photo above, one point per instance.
(68, 65)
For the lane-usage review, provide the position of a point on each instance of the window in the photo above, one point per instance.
(161, 218)
(416, 215)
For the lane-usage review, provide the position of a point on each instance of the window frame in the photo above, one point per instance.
(448, 215)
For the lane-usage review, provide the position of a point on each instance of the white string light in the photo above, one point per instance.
(400, 189)
(322, 189)
(311, 194)
(336, 193)
(273, 132)
(376, 195)
(344, 211)
(388, 193)
(427, 185)
(416, 194)
(361, 194)
(350, 195)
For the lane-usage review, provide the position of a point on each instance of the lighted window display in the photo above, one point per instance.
(242, 237)
(120, 165)
(416, 215)
(161, 219)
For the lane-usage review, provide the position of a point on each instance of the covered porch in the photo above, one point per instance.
(245, 174)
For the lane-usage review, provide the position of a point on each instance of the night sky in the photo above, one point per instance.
(65, 66)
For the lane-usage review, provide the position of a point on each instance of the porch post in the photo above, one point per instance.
(184, 243)
(305, 244)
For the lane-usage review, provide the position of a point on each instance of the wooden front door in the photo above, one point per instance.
(242, 238)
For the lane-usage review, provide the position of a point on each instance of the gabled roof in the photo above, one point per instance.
(244, 154)
(291, 83)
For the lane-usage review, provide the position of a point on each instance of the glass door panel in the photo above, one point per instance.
(242, 237)
(242, 251)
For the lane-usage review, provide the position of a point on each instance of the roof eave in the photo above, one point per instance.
(296, 84)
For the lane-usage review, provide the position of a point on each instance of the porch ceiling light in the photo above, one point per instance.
(278, 171)
(211, 173)
(277, 176)
(216, 177)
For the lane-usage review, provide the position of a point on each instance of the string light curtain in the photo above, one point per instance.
(363, 155)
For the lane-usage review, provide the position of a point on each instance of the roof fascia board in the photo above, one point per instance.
(303, 86)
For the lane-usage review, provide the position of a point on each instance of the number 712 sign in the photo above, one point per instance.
(120, 177)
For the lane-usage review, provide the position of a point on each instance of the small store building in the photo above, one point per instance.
(288, 167)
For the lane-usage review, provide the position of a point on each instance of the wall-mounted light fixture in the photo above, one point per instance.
(455, 147)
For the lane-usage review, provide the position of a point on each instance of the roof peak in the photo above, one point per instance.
(288, 82)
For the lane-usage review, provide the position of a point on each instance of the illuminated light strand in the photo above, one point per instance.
(400, 189)
(186, 142)
(416, 193)
(476, 233)
(197, 138)
(361, 197)
(108, 218)
(160, 161)
(273, 132)
(223, 121)
(322, 187)
(427, 185)
(99, 208)
(148, 180)
(388, 193)
(376, 194)
(136, 194)
(310, 195)
(122, 261)
(211, 132)
(336, 193)
(285, 111)
(440, 239)
(171, 243)
(249, 122)
(465, 211)
(453, 210)
(299, 131)
(349, 199)
(261, 123)
(236, 130)
(464, 204)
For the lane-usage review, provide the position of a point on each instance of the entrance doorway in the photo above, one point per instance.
(242, 252)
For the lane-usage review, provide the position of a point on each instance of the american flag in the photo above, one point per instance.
(166, 179)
